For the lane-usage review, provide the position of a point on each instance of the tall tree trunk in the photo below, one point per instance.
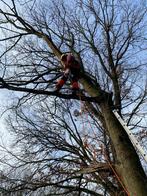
(128, 165)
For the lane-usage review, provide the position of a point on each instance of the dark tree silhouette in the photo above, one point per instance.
(59, 153)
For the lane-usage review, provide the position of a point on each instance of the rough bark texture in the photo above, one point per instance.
(128, 166)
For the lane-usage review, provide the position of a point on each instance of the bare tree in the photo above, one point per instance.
(108, 38)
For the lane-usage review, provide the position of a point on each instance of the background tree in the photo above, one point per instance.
(60, 153)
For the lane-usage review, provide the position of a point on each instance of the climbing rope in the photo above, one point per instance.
(86, 145)
(113, 170)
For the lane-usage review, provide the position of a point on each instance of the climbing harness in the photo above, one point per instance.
(131, 136)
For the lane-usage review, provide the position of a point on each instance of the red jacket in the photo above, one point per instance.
(71, 62)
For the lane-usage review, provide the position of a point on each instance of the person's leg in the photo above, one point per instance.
(61, 82)
(75, 85)
(74, 80)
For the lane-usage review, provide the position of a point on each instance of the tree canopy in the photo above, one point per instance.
(67, 144)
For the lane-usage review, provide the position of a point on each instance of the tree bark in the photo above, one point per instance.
(128, 165)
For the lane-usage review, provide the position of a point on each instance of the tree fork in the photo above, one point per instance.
(128, 165)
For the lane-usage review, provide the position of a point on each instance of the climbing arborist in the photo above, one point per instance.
(71, 68)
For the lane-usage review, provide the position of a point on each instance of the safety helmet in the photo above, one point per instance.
(63, 56)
